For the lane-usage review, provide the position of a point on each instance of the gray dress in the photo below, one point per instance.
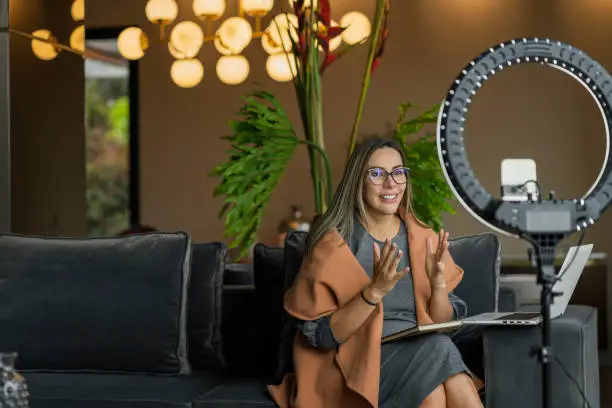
(410, 368)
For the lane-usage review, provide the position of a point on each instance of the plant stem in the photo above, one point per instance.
(319, 139)
(374, 39)
(326, 162)
(314, 147)
(311, 72)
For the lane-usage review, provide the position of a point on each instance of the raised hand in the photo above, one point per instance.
(386, 275)
(434, 265)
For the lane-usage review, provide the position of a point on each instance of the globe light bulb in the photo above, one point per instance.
(187, 73)
(77, 11)
(209, 9)
(186, 39)
(221, 48)
(233, 69)
(279, 34)
(161, 11)
(43, 50)
(281, 67)
(235, 34)
(357, 27)
(132, 43)
(257, 8)
(77, 38)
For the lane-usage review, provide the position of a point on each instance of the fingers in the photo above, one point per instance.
(376, 250)
(441, 235)
(402, 273)
(430, 245)
(442, 245)
(396, 261)
(387, 261)
(385, 250)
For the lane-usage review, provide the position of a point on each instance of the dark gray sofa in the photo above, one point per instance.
(155, 320)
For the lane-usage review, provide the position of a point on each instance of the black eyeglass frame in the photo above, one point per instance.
(406, 171)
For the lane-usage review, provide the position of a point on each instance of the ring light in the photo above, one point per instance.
(542, 222)
(560, 217)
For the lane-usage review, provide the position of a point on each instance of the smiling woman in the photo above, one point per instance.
(366, 250)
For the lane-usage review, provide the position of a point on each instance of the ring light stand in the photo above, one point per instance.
(543, 222)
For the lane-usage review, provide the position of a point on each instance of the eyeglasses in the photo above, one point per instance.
(378, 175)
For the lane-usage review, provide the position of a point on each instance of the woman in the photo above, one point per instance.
(371, 270)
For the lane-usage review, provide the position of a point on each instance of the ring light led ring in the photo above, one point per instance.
(493, 212)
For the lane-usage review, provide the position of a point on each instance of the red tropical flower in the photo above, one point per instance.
(328, 60)
(324, 12)
(382, 41)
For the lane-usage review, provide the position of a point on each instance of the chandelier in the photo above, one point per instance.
(186, 38)
(230, 38)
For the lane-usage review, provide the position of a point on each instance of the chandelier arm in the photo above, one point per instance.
(55, 43)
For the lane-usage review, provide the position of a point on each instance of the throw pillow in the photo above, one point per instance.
(96, 304)
(204, 317)
(269, 291)
(479, 256)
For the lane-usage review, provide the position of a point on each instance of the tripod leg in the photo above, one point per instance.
(546, 351)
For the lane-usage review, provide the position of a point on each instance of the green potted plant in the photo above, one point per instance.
(263, 139)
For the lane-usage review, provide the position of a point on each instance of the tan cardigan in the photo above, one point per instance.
(329, 278)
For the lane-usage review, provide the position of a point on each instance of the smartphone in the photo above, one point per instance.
(519, 181)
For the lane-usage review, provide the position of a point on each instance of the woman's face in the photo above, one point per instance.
(385, 182)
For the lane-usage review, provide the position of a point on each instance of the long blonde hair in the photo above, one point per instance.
(348, 198)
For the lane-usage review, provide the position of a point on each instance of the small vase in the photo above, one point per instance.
(294, 222)
(13, 387)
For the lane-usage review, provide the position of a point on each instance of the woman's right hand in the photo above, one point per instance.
(386, 275)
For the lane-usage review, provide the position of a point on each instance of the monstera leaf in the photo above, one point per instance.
(263, 140)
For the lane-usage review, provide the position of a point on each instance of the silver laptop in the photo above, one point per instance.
(572, 268)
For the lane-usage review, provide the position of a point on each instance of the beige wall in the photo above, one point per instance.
(47, 126)
(525, 112)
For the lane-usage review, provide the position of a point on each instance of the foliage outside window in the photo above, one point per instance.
(107, 155)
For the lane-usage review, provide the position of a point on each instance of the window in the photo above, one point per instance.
(111, 118)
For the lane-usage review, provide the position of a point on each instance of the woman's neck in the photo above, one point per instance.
(382, 226)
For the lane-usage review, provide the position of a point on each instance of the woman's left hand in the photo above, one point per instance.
(434, 265)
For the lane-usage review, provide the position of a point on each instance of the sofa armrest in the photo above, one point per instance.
(507, 300)
(509, 366)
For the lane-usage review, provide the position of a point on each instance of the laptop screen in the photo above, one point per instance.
(573, 265)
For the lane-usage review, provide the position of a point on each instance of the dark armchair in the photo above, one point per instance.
(508, 364)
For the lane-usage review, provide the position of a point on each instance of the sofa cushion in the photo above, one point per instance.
(244, 393)
(68, 390)
(479, 256)
(238, 318)
(96, 304)
(238, 274)
(268, 273)
(205, 305)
